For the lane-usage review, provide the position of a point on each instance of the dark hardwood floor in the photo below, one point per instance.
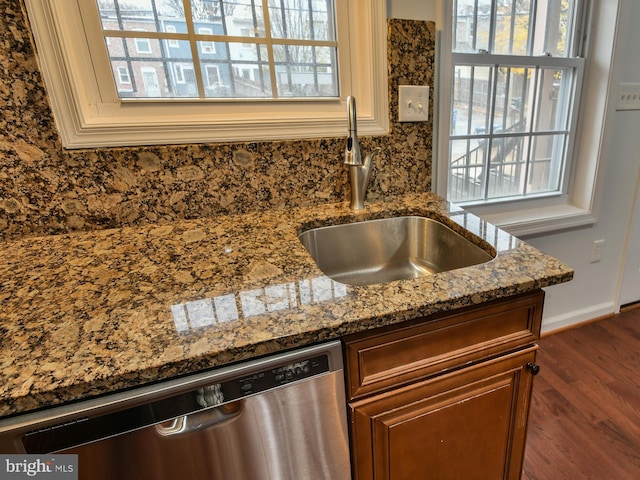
(585, 411)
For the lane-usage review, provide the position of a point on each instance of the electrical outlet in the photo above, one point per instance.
(628, 96)
(413, 103)
(596, 251)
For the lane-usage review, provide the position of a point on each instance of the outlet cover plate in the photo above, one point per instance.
(628, 96)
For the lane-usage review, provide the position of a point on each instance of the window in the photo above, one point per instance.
(213, 76)
(246, 32)
(206, 47)
(143, 45)
(293, 73)
(172, 42)
(123, 75)
(178, 73)
(515, 83)
(291, 44)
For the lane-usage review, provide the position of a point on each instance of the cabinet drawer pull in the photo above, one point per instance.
(535, 369)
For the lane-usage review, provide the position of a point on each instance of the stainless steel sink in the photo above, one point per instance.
(379, 251)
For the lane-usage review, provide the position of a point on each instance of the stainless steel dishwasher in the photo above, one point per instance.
(278, 417)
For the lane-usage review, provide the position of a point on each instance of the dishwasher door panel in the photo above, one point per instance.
(295, 432)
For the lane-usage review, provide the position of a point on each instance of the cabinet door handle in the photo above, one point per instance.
(535, 369)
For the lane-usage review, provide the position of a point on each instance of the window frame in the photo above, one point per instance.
(497, 61)
(573, 207)
(87, 118)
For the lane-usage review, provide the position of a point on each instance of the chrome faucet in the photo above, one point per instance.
(359, 171)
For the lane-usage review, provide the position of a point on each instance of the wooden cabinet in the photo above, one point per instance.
(444, 397)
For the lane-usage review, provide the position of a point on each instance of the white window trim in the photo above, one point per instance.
(534, 216)
(85, 120)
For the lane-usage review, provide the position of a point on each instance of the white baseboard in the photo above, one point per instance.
(564, 320)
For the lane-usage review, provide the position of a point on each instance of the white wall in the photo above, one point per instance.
(412, 9)
(595, 290)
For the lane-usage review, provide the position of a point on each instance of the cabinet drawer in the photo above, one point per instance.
(393, 356)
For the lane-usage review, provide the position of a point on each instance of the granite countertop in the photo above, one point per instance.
(89, 313)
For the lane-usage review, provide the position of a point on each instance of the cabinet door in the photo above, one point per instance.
(468, 424)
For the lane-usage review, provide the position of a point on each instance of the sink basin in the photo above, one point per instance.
(379, 251)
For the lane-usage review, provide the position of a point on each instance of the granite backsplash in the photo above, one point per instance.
(45, 189)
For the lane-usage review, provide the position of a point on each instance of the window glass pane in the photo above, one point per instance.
(495, 167)
(238, 18)
(512, 27)
(183, 79)
(513, 100)
(546, 165)
(466, 165)
(130, 15)
(245, 75)
(554, 90)
(304, 71)
(251, 81)
(251, 77)
(507, 166)
(472, 25)
(150, 74)
(472, 99)
(323, 21)
(558, 15)
(300, 19)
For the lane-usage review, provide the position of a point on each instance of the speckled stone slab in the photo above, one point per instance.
(89, 313)
(45, 189)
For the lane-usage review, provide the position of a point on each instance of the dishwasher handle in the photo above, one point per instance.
(200, 420)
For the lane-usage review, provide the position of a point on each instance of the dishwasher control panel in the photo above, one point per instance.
(267, 379)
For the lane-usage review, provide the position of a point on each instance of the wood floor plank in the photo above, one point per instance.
(585, 407)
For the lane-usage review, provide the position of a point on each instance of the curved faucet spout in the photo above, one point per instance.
(359, 171)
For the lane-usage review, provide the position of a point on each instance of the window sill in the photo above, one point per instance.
(536, 220)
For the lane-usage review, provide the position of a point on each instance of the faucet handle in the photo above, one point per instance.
(368, 159)
(352, 152)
